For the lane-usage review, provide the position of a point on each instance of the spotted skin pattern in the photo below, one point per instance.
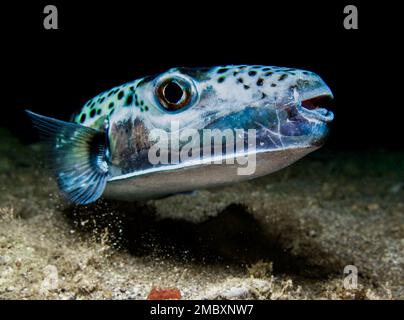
(255, 80)
(105, 104)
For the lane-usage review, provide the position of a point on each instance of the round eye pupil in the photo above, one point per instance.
(173, 92)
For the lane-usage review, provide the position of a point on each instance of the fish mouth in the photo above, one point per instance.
(315, 107)
(308, 118)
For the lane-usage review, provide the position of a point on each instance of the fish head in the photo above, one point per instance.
(287, 107)
(284, 107)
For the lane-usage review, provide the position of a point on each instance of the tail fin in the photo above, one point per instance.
(78, 157)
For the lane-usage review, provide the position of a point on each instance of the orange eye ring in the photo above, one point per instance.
(174, 94)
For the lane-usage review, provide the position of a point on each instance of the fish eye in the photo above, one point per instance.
(174, 94)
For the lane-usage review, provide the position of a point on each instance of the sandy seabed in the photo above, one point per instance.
(285, 236)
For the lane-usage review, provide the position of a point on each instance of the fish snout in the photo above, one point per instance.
(314, 98)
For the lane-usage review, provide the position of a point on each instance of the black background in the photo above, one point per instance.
(100, 45)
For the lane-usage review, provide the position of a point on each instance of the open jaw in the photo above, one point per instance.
(316, 107)
(298, 125)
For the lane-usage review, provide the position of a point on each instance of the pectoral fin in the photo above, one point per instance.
(78, 157)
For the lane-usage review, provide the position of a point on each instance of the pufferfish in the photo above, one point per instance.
(105, 149)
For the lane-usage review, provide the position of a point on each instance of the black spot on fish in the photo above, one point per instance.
(267, 74)
(146, 108)
(273, 85)
(112, 111)
(88, 102)
(92, 105)
(246, 87)
(252, 73)
(305, 73)
(256, 67)
(120, 95)
(101, 100)
(221, 79)
(222, 70)
(260, 82)
(129, 99)
(92, 113)
(98, 111)
(263, 95)
(142, 103)
(283, 77)
(266, 69)
(111, 105)
(110, 93)
(240, 80)
(83, 118)
(132, 88)
(235, 73)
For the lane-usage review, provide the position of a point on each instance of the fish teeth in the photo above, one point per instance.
(321, 111)
(321, 114)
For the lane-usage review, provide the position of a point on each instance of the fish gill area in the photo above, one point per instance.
(288, 235)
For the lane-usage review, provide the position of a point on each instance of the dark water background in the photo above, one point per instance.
(100, 45)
